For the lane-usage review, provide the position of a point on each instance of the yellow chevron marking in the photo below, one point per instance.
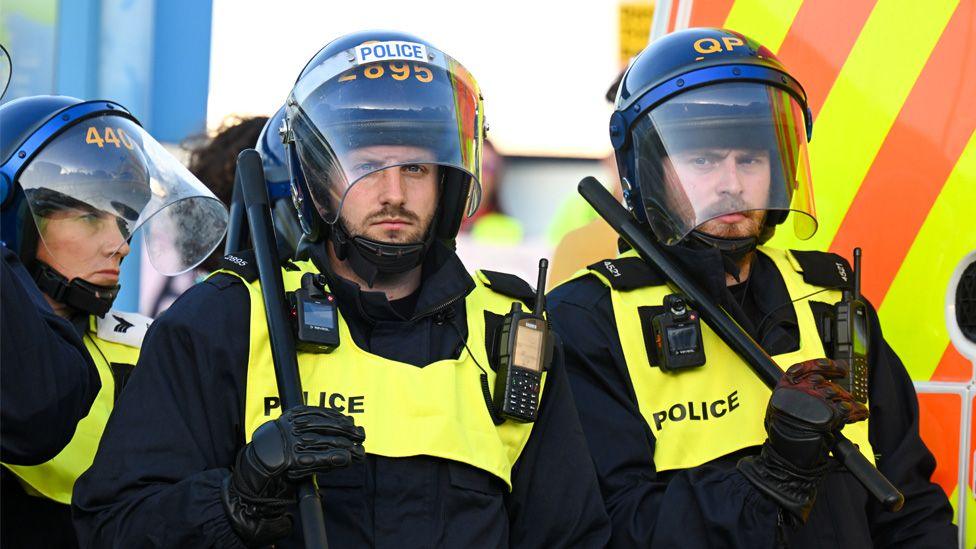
(890, 52)
(763, 20)
(913, 310)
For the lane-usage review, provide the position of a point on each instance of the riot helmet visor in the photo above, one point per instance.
(719, 152)
(104, 178)
(382, 105)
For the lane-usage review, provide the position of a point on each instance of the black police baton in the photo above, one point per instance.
(731, 333)
(250, 174)
(236, 229)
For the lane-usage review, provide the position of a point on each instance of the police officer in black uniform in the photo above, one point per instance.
(37, 418)
(80, 177)
(710, 133)
(384, 133)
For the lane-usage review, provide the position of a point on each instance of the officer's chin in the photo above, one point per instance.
(406, 235)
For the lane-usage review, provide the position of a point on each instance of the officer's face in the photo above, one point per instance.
(85, 244)
(722, 191)
(396, 204)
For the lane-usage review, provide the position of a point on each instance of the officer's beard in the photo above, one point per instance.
(750, 226)
(413, 231)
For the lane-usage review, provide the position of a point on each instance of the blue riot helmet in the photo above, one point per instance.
(382, 88)
(709, 125)
(275, 161)
(80, 168)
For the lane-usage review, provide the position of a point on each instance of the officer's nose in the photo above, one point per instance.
(112, 241)
(391, 187)
(729, 177)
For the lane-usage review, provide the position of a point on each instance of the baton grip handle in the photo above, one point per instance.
(250, 174)
(873, 480)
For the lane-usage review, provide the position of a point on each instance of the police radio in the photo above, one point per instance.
(523, 353)
(848, 337)
(314, 314)
(677, 335)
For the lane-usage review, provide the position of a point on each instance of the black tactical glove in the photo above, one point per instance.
(805, 409)
(303, 441)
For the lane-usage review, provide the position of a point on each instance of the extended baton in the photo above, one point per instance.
(236, 229)
(250, 173)
(731, 332)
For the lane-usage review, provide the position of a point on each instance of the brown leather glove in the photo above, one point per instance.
(806, 407)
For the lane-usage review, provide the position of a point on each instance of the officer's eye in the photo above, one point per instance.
(364, 167)
(415, 169)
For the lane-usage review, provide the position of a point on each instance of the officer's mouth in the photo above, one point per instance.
(730, 218)
(105, 277)
(392, 224)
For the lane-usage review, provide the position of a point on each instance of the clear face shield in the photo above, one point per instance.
(104, 178)
(5, 69)
(384, 105)
(721, 152)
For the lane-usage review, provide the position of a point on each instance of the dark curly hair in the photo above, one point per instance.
(214, 159)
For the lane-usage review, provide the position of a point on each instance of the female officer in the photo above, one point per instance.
(79, 178)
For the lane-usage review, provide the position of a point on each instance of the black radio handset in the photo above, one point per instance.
(851, 337)
(523, 353)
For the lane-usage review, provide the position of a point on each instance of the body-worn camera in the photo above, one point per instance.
(523, 353)
(677, 335)
(848, 336)
(315, 317)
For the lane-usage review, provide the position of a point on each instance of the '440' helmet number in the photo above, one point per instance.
(112, 136)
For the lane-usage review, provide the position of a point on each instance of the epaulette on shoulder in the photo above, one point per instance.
(244, 264)
(509, 285)
(123, 328)
(628, 273)
(824, 269)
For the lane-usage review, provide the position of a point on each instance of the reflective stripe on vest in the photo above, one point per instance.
(56, 478)
(438, 410)
(700, 414)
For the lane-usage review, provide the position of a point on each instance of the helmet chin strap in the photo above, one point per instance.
(370, 258)
(732, 250)
(76, 293)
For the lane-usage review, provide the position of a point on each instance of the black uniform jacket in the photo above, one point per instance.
(47, 380)
(178, 426)
(713, 505)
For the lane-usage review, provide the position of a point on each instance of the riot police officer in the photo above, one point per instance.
(80, 179)
(37, 419)
(710, 133)
(384, 134)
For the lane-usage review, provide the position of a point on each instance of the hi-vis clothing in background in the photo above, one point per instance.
(201, 388)
(665, 444)
(36, 504)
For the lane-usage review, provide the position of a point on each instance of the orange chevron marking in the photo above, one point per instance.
(818, 42)
(939, 415)
(953, 366)
(917, 156)
(710, 13)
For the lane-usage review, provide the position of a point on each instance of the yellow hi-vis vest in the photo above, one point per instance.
(438, 410)
(112, 340)
(700, 414)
